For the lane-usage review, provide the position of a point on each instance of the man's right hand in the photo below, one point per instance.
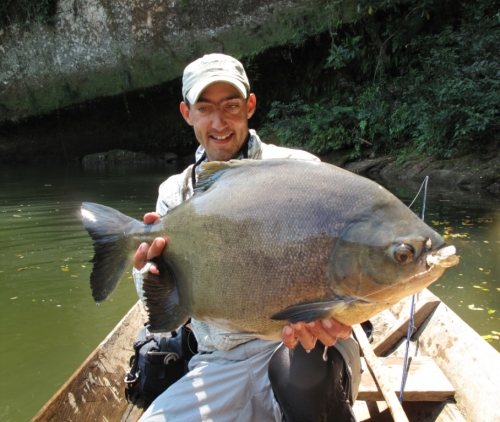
(146, 252)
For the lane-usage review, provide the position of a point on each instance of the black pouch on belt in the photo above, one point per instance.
(160, 360)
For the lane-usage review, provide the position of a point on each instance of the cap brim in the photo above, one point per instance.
(195, 92)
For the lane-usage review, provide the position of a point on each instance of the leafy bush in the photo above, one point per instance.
(432, 86)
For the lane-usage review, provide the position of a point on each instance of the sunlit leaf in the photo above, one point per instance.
(489, 337)
(370, 9)
(491, 311)
(22, 269)
(15, 297)
(471, 307)
(496, 333)
(65, 269)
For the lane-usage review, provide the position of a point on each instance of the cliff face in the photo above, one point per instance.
(100, 48)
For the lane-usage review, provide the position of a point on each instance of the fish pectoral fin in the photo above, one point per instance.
(162, 300)
(308, 312)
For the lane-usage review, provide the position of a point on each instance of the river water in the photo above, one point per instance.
(49, 323)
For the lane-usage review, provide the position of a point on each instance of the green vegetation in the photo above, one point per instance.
(407, 77)
(25, 11)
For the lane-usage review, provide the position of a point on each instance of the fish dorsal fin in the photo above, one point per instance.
(211, 171)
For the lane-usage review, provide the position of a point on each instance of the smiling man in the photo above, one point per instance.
(229, 379)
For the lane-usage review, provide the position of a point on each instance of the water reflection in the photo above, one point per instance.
(48, 321)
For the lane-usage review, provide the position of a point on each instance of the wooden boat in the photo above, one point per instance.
(454, 375)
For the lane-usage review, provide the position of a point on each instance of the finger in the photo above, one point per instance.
(304, 336)
(151, 217)
(321, 333)
(156, 248)
(337, 329)
(141, 256)
(288, 337)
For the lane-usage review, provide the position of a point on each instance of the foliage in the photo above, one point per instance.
(410, 76)
(21, 11)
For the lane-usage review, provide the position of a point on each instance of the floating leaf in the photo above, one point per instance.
(15, 297)
(475, 309)
(489, 337)
(491, 311)
(496, 333)
(22, 269)
(65, 269)
(17, 216)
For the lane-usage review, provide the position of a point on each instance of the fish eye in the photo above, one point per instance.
(404, 253)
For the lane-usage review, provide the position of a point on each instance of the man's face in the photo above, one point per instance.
(220, 120)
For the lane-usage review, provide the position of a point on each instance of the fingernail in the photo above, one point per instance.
(327, 323)
(143, 247)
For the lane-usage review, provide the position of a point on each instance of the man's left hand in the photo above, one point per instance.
(326, 331)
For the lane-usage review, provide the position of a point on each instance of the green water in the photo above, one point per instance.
(48, 321)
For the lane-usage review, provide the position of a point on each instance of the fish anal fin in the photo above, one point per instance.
(308, 312)
(162, 300)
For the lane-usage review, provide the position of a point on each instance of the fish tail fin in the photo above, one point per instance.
(162, 300)
(108, 228)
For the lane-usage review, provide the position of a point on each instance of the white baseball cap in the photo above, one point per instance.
(213, 68)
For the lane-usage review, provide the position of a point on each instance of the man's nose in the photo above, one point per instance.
(219, 121)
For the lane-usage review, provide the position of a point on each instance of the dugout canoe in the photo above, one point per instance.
(454, 374)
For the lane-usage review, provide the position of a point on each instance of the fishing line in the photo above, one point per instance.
(411, 323)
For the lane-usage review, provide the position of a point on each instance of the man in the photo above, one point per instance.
(228, 380)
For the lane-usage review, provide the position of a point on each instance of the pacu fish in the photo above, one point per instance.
(265, 242)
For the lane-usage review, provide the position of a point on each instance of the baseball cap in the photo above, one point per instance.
(213, 68)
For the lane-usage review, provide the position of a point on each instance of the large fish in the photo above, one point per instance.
(266, 242)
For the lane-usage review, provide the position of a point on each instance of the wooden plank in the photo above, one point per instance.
(95, 392)
(397, 411)
(468, 361)
(368, 411)
(425, 381)
(423, 308)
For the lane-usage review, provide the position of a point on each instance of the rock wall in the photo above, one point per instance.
(99, 48)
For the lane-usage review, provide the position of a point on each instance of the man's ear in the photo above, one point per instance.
(186, 113)
(251, 104)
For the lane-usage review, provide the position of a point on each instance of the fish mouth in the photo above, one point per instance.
(445, 258)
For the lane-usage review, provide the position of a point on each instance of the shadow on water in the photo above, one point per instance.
(48, 321)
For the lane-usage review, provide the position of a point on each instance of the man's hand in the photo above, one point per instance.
(146, 252)
(326, 331)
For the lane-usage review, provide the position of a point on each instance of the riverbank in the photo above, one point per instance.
(472, 172)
